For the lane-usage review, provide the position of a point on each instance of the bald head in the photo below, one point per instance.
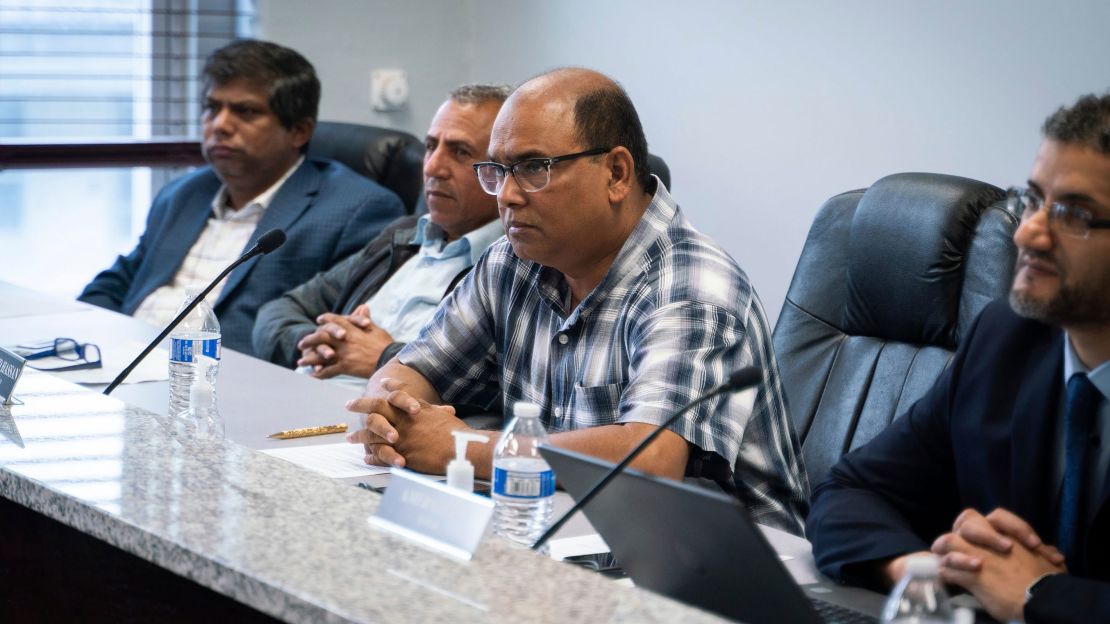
(596, 108)
(570, 82)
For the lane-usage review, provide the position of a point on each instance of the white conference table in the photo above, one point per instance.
(257, 398)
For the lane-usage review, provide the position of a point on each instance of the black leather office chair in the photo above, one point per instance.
(888, 281)
(657, 166)
(392, 158)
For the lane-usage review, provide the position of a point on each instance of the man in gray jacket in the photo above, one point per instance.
(356, 316)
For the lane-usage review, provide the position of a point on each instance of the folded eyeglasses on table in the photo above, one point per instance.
(83, 355)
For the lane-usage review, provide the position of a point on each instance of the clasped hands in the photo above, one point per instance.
(401, 430)
(995, 557)
(344, 345)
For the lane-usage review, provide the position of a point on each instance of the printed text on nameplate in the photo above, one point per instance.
(523, 484)
(182, 350)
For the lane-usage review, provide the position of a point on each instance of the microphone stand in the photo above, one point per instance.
(619, 468)
(180, 316)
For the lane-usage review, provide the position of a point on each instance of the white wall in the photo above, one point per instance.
(761, 109)
(344, 39)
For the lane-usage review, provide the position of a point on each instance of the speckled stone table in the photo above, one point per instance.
(268, 534)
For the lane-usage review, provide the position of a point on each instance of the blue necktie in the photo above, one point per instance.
(1079, 422)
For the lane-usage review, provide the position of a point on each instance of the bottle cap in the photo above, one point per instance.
(524, 409)
(460, 472)
(192, 290)
(922, 565)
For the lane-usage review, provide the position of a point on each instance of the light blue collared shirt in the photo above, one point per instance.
(1100, 378)
(409, 298)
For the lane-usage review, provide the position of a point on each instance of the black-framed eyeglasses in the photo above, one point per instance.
(86, 355)
(1077, 222)
(532, 174)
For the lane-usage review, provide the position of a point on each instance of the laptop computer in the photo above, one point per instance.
(699, 547)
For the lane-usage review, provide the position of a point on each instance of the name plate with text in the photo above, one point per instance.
(430, 513)
(11, 367)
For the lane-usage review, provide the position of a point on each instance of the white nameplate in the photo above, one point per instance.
(11, 367)
(445, 519)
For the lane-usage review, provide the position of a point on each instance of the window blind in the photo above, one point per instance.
(79, 69)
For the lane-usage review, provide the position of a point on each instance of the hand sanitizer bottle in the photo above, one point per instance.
(460, 472)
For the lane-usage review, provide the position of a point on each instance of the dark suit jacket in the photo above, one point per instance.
(328, 212)
(284, 321)
(983, 437)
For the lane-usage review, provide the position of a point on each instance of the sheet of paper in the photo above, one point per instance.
(564, 547)
(331, 460)
(114, 357)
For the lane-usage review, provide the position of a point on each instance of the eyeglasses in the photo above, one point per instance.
(87, 354)
(1077, 222)
(532, 174)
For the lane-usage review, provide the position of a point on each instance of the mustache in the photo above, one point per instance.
(1042, 257)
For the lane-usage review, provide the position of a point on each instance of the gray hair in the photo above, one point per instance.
(473, 94)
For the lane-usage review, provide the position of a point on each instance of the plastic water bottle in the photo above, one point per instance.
(523, 483)
(196, 338)
(919, 598)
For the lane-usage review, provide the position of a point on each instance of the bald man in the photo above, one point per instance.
(604, 306)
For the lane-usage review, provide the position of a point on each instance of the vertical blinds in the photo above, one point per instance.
(72, 69)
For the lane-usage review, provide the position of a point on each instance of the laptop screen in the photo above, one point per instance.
(685, 542)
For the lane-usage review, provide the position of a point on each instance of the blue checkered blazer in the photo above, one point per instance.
(328, 212)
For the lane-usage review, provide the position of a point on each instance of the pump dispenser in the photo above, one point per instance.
(460, 472)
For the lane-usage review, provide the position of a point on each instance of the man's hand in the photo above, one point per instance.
(998, 530)
(350, 345)
(400, 430)
(995, 557)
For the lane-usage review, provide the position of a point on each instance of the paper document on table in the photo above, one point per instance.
(113, 358)
(331, 460)
(564, 547)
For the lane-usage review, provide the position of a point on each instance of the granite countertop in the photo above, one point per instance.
(285, 541)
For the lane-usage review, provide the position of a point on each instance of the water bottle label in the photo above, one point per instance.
(211, 348)
(181, 350)
(515, 484)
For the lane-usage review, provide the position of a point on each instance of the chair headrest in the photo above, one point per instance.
(910, 255)
(659, 167)
(392, 158)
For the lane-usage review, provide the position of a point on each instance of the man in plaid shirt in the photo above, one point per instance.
(603, 305)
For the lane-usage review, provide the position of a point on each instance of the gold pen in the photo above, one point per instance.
(309, 431)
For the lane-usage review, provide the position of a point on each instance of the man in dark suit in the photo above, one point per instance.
(1002, 468)
(259, 113)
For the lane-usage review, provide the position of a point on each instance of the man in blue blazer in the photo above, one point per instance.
(260, 111)
(1003, 468)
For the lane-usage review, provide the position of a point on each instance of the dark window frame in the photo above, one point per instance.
(156, 152)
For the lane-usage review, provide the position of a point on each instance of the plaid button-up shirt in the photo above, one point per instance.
(672, 318)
